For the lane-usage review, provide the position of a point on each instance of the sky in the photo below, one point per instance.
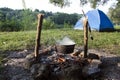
(46, 6)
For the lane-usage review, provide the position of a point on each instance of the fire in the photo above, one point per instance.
(61, 60)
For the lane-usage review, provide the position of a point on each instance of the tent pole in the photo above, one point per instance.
(85, 37)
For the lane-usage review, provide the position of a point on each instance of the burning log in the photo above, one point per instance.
(76, 52)
(61, 60)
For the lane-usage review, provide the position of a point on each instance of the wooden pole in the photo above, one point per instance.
(85, 37)
(38, 35)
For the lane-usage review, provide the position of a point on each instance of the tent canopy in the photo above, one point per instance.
(97, 21)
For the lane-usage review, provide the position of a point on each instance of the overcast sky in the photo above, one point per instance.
(45, 5)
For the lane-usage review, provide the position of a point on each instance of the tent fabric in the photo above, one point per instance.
(79, 24)
(97, 21)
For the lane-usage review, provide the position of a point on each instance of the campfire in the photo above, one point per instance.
(62, 61)
(69, 66)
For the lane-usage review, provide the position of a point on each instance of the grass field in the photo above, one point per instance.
(109, 41)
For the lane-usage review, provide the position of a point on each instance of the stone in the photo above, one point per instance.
(29, 61)
(93, 56)
(20, 54)
(92, 68)
(30, 56)
(41, 71)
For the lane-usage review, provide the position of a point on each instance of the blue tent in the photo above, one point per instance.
(97, 21)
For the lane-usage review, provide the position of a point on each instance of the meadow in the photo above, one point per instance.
(10, 41)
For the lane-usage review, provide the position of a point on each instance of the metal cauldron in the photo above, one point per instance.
(66, 45)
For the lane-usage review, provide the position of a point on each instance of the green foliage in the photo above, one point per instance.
(67, 25)
(114, 13)
(60, 3)
(27, 20)
(48, 24)
(7, 22)
(61, 18)
(16, 20)
(117, 27)
(94, 3)
(10, 25)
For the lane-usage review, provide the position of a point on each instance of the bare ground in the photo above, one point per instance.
(14, 67)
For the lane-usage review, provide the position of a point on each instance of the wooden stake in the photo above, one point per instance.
(85, 37)
(38, 35)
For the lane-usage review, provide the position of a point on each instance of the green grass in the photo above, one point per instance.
(16, 40)
(117, 27)
(110, 41)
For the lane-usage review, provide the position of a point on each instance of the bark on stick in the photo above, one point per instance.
(85, 37)
(38, 35)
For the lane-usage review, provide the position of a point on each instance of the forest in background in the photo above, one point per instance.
(26, 19)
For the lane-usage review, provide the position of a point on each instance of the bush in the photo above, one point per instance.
(10, 25)
(67, 25)
(48, 24)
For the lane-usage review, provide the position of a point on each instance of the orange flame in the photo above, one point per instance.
(61, 60)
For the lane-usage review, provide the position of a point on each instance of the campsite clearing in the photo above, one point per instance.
(108, 41)
(105, 42)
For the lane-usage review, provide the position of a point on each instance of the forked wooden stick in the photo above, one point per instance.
(85, 37)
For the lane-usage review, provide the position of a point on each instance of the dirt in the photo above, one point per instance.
(15, 70)
(110, 65)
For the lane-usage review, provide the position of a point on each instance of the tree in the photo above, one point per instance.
(114, 13)
(27, 20)
(8, 20)
(24, 4)
(93, 3)
(48, 24)
(61, 18)
(60, 3)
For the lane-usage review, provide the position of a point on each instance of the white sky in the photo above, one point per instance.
(45, 5)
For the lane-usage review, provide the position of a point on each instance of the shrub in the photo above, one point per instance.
(10, 25)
